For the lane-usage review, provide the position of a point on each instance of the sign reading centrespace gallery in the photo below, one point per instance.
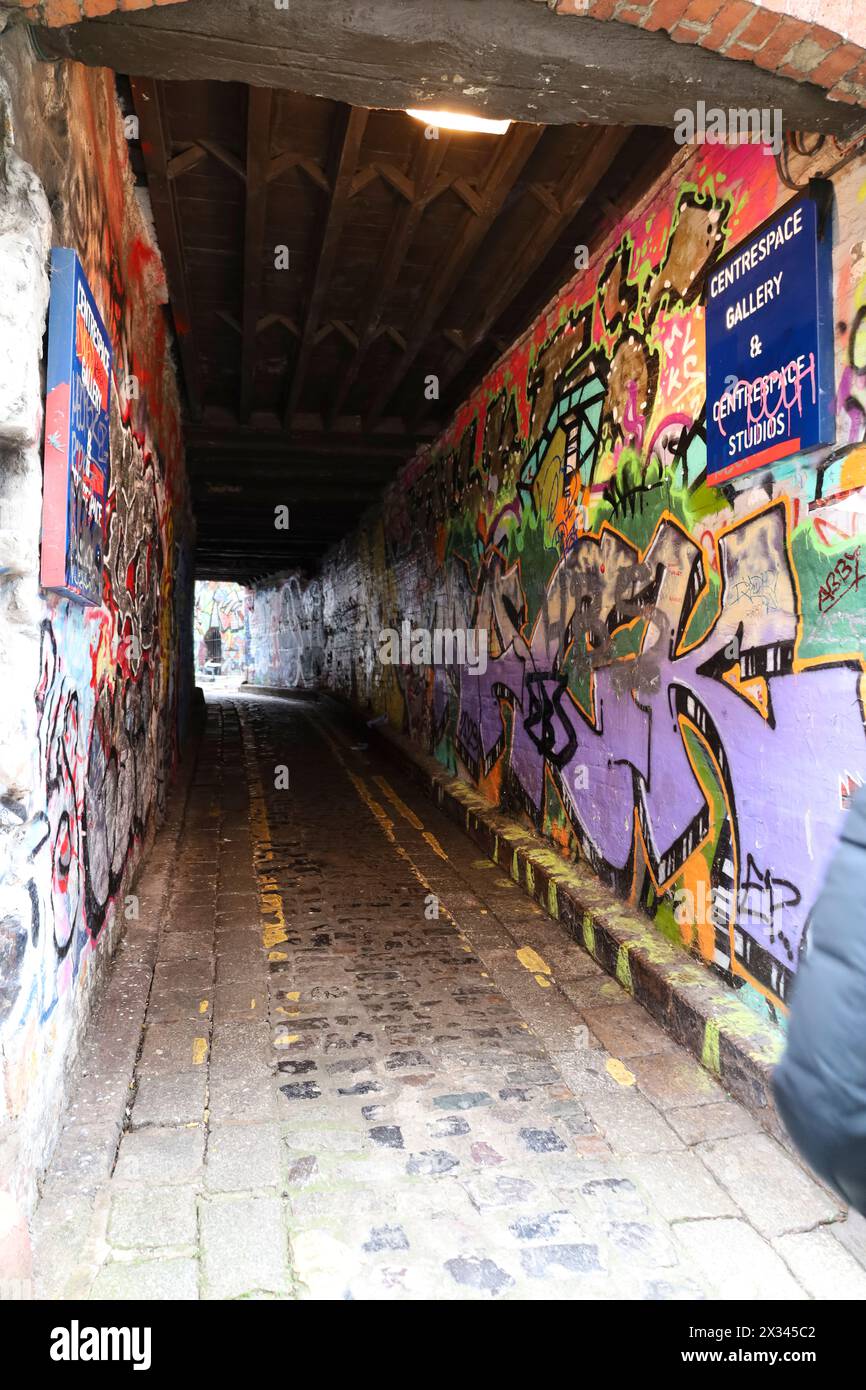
(77, 434)
(770, 343)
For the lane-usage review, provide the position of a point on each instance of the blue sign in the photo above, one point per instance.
(770, 342)
(77, 436)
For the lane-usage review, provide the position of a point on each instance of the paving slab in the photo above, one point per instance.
(771, 1189)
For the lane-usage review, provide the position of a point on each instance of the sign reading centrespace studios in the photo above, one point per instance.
(77, 432)
(770, 343)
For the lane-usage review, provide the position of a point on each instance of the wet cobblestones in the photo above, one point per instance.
(340, 1094)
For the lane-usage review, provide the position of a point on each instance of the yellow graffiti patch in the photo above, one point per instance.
(532, 961)
(286, 1039)
(619, 1071)
(199, 1051)
(543, 981)
(710, 1052)
(203, 1006)
(623, 969)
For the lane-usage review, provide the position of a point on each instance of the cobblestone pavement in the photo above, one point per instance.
(339, 1094)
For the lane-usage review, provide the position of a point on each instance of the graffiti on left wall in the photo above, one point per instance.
(112, 687)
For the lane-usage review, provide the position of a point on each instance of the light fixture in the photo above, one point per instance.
(458, 120)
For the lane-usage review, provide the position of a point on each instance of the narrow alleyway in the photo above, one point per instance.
(341, 1095)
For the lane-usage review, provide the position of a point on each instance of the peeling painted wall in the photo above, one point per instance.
(95, 699)
(566, 513)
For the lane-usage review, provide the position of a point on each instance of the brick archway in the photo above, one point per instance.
(818, 41)
(56, 13)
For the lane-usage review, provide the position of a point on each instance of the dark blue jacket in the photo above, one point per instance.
(820, 1084)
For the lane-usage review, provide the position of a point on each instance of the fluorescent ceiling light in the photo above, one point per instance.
(458, 120)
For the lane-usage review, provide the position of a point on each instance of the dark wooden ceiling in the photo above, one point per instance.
(407, 256)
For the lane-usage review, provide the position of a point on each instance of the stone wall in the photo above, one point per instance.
(94, 699)
(675, 683)
(287, 636)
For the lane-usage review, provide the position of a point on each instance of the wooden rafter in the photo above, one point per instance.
(560, 205)
(351, 124)
(155, 145)
(505, 168)
(425, 170)
(257, 168)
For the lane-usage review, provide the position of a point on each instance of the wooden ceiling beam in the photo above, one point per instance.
(247, 504)
(426, 165)
(651, 150)
(560, 208)
(510, 158)
(155, 146)
(536, 66)
(225, 549)
(397, 180)
(228, 544)
(259, 110)
(259, 526)
(282, 163)
(224, 157)
(187, 159)
(350, 126)
(231, 437)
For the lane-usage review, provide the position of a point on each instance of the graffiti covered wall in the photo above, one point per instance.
(97, 696)
(287, 635)
(220, 626)
(675, 684)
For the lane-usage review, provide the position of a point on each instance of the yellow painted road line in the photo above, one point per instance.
(405, 811)
(271, 905)
(435, 845)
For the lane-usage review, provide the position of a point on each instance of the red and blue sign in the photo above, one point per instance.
(770, 342)
(77, 436)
